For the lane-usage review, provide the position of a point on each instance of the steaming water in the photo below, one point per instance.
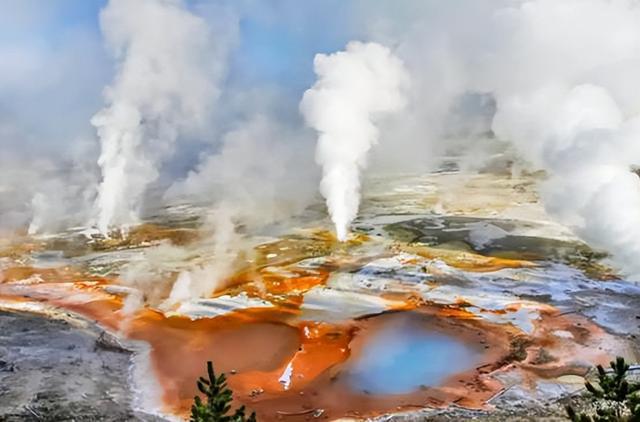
(402, 358)
(49, 259)
(352, 86)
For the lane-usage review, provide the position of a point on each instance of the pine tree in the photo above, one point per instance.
(614, 398)
(218, 401)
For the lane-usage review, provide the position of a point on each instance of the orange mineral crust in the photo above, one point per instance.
(27, 274)
(464, 260)
(238, 342)
(294, 370)
(321, 371)
(284, 367)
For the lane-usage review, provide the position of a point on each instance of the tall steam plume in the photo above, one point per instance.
(353, 87)
(562, 75)
(164, 87)
(570, 111)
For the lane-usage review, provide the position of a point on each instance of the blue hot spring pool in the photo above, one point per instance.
(405, 355)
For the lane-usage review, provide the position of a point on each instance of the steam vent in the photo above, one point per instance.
(222, 211)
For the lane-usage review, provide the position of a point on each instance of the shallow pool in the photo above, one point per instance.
(406, 355)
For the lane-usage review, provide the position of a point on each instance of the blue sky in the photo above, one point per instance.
(281, 49)
(54, 58)
(272, 48)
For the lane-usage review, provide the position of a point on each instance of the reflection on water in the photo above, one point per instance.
(405, 355)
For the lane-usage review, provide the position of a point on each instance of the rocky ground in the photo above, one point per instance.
(62, 370)
(552, 411)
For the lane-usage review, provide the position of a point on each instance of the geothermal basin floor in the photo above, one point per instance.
(454, 297)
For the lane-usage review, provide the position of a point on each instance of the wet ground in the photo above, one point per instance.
(456, 297)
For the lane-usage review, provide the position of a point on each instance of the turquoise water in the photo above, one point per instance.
(406, 356)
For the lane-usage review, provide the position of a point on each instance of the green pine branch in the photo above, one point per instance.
(614, 398)
(218, 401)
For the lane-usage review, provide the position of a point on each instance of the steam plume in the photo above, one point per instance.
(353, 87)
(559, 80)
(562, 75)
(568, 111)
(164, 87)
